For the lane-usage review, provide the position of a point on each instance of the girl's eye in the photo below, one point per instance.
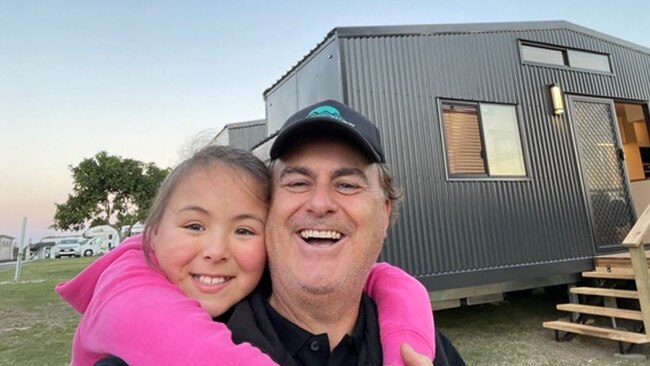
(244, 231)
(194, 227)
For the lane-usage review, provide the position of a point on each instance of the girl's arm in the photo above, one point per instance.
(139, 316)
(404, 309)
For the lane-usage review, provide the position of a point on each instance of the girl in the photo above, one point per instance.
(152, 300)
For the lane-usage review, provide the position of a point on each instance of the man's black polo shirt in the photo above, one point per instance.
(314, 349)
(250, 321)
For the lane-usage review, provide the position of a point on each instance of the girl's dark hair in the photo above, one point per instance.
(241, 160)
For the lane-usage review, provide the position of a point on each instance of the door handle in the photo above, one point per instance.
(621, 154)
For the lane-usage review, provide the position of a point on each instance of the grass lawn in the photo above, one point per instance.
(36, 327)
(510, 333)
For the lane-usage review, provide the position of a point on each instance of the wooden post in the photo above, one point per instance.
(633, 241)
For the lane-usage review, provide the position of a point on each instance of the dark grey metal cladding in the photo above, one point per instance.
(451, 227)
(317, 78)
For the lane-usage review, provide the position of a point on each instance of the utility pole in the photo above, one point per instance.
(21, 244)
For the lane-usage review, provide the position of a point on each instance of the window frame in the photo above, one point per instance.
(566, 56)
(609, 60)
(482, 177)
(563, 51)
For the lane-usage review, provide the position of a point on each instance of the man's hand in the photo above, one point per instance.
(412, 358)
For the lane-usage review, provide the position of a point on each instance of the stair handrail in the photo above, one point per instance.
(633, 241)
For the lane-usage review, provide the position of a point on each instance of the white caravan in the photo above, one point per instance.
(103, 236)
(132, 230)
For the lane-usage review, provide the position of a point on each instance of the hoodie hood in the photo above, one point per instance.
(79, 291)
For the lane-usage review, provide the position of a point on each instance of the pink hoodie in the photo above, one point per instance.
(132, 311)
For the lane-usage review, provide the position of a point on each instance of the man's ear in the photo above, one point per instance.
(387, 210)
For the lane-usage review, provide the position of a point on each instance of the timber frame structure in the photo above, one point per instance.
(614, 268)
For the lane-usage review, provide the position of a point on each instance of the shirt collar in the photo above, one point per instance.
(293, 337)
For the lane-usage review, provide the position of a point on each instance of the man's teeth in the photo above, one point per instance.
(207, 280)
(320, 234)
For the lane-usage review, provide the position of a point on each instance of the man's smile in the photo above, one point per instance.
(321, 237)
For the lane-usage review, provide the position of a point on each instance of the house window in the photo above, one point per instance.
(543, 55)
(589, 61)
(482, 140)
(566, 57)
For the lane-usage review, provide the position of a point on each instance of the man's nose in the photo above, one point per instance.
(322, 201)
(216, 247)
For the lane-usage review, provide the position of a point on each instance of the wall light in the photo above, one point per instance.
(557, 99)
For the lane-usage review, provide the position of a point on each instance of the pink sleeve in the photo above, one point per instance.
(139, 316)
(404, 309)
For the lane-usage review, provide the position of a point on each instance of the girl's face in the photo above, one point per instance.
(210, 240)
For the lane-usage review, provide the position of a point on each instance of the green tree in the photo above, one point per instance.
(108, 190)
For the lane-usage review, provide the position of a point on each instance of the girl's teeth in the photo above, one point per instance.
(206, 280)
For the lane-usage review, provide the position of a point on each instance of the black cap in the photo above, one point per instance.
(330, 116)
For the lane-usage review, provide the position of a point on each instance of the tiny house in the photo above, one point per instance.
(523, 148)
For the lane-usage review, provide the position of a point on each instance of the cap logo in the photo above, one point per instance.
(328, 112)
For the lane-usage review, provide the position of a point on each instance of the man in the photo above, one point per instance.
(332, 202)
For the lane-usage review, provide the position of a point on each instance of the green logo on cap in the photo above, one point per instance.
(325, 111)
(328, 112)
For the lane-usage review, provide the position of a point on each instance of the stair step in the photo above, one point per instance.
(618, 260)
(627, 269)
(590, 330)
(597, 291)
(615, 262)
(601, 311)
(621, 275)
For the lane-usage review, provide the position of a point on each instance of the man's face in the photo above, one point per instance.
(328, 218)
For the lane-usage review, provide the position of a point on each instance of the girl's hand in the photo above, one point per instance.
(412, 358)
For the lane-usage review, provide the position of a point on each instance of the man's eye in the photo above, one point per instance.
(296, 184)
(244, 231)
(194, 227)
(347, 187)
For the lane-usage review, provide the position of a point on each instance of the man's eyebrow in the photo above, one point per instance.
(300, 170)
(342, 172)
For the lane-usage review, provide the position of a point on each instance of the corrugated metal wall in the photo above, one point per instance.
(459, 226)
(245, 137)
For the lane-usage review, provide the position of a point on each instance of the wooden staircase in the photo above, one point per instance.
(614, 269)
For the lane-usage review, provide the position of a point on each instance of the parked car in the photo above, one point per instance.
(68, 248)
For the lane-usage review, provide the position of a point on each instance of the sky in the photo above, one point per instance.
(141, 79)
